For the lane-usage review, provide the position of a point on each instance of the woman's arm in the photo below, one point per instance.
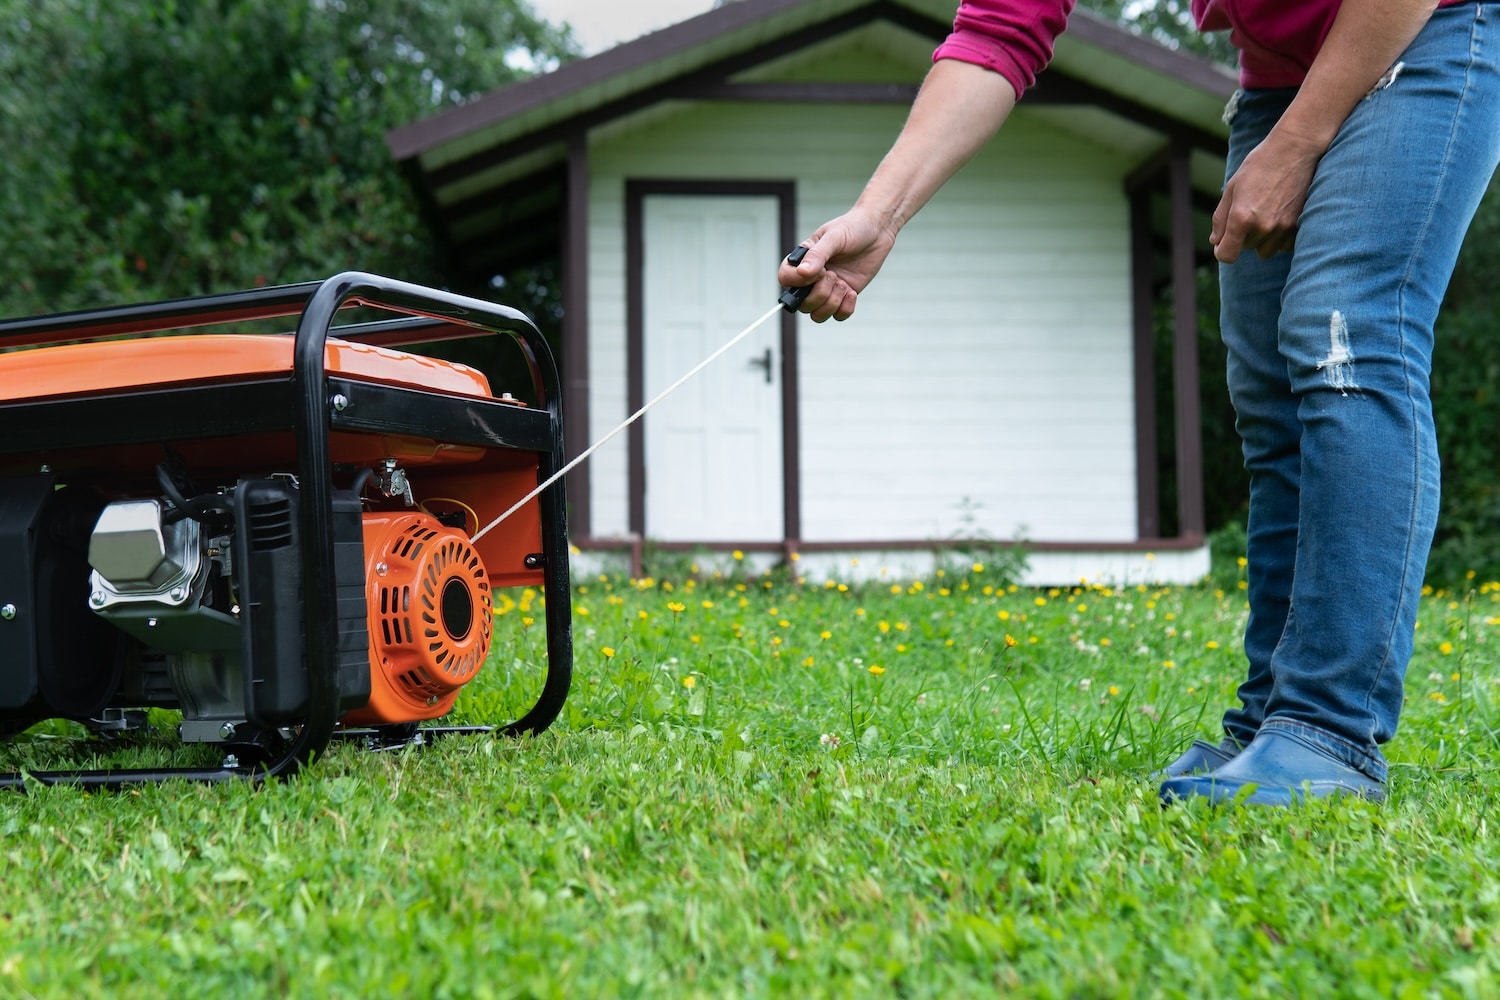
(960, 106)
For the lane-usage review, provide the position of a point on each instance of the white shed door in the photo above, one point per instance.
(713, 447)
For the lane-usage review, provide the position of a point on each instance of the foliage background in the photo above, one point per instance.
(158, 149)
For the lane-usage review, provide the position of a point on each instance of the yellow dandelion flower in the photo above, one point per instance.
(1212, 644)
(738, 555)
(643, 615)
(1010, 641)
(695, 638)
(977, 568)
(1169, 664)
(608, 651)
(1040, 602)
(528, 622)
(1114, 689)
(1003, 615)
(1438, 696)
(825, 634)
(690, 681)
(876, 669)
(708, 604)
(807, 662)
(1445, 648)
(676, 607)
(883, 626)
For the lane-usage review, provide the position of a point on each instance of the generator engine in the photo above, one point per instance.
(193, 601)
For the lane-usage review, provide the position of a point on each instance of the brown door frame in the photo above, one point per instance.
(636, 191)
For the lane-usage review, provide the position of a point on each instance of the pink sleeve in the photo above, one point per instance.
(1012, 37)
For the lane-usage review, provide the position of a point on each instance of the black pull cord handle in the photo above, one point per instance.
(791, 298)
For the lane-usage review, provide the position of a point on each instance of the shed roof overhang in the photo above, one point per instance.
(493, 172)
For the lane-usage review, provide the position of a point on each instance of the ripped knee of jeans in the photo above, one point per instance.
(1338, 366)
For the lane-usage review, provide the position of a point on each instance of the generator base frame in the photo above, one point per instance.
(311, 403)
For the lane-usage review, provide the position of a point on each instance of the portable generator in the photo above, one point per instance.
(282, 537)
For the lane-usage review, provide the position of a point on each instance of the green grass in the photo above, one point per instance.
(737, 802)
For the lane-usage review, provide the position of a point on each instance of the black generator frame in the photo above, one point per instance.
(310, 403)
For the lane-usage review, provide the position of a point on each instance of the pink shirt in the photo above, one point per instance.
(1277, 39)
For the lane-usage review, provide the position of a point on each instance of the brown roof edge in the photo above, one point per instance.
(1094, 29)
(415, 138)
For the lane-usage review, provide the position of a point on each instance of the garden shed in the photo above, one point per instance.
(999, 381)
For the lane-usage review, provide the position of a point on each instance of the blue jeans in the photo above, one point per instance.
(1330, 350)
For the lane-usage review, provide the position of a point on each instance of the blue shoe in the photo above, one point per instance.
(1199, 758)
(1284, 769)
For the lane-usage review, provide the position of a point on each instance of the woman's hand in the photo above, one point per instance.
(1263, 200)
(843, 255)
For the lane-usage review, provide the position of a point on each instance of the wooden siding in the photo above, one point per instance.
(985, 388)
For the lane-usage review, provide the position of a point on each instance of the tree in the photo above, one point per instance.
(161, 148)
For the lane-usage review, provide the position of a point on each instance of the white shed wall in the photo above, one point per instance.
(984, 388)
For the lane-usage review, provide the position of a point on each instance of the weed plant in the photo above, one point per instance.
(767, 787)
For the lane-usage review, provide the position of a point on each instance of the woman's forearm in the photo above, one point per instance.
(1365, 40)
(958, 109)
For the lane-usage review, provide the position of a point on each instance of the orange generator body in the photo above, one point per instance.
(287, 538)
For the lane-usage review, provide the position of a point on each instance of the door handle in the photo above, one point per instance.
(764, 361)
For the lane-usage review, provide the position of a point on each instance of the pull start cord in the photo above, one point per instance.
(628, 421)
(789, 300)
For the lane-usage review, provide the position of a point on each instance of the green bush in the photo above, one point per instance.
(160, 149)
(1466, 405)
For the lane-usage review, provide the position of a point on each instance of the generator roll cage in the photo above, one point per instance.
(311, 403)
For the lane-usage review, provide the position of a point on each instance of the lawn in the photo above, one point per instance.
(767, 787)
